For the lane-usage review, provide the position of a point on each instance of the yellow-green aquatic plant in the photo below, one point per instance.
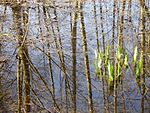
(118, 69)
(139, 66)
(104, 60)
(110, 72)
(137, 71)
(98, 63)
(126, 61)
(141, 61)
(119, 53)
(107, 54)
(135, 56)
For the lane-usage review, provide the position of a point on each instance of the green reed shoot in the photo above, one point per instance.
(104, 60)
(138, 64)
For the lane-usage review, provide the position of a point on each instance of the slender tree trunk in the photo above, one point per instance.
(121, 24)
(17, 18)
(96, 27)
(145, 8)
(120, 46)
(19, 84)
(26, 69)
(74, 37)
(113, 31)
(86, 59)
(143, 43)
(102, 26)
(115, 87)
(130, 11)
(23, 66)
(104, 71)
(26, 72)
(113, 54)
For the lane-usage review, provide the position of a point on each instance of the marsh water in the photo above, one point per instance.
(50, 24)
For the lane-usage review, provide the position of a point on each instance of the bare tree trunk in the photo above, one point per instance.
(145, 8)
(26, 69)
(19, 83)
(120, 46)
(115, 87)
(113, 54)
(104, 79)
(102, 26)
(26, 72)
(17, 18)
(121, 24)
(74, 37)
(96, 27)
(129, 8)
(86, 60)
(23, 66)
(113, 31)
(143, 43)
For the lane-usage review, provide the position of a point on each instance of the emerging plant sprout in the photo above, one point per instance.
(135, 56)
(121, 64)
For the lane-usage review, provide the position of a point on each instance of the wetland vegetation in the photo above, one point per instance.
(75, 56)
